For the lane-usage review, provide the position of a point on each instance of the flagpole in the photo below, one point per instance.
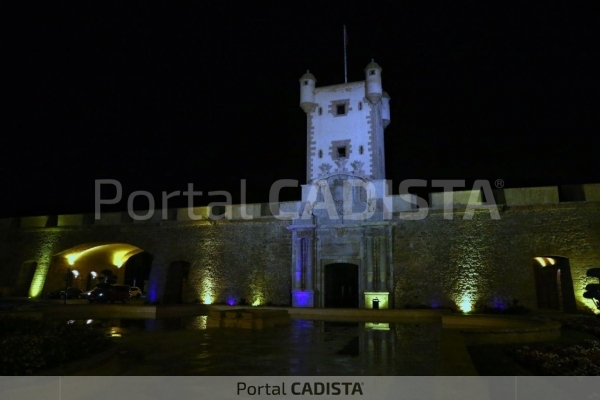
(345, 61)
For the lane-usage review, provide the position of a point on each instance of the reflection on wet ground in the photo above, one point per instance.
(184, 346)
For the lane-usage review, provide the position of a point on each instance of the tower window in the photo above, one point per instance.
(360, 149)
(339, 108)
(372, 72)
(305, 83)
(320, 111)
(340, 149)
(320, 153)
(360, 105)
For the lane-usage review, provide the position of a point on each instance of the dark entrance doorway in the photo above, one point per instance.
(341, 285)
(137, 270)
(554, 284)
(176, 281)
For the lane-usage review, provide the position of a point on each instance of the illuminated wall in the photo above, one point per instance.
(242, 262)
(229, 262)
(42, 253)
(484, 262)
(436, 262)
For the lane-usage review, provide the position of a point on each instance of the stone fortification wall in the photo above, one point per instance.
(436, 261)
(229, 260)
(482, 261)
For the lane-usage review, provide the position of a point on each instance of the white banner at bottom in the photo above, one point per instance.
(306, 387)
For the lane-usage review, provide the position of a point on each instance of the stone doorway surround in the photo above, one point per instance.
(321, 284)
(367, 245)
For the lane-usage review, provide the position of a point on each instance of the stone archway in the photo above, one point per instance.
(86, 263)
(137, 270)
(554, 284)
(341, 285)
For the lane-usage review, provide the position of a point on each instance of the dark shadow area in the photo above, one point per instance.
(22, 280)
(176, 280)
(341, 285)
(554, 284)
(569, 193)
(352, 349)
(137, 270)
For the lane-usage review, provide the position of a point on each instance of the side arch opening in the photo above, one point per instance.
(554, 284)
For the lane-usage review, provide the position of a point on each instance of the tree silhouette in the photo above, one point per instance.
(592, 290)
(109, 276)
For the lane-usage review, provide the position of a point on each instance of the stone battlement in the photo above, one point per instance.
(530, 196)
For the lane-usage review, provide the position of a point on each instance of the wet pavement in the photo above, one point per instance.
(184, 346)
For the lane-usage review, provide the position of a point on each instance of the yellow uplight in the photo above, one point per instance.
(465, 305)
(544, 261)
(119, 258)
(541, 260)
(72, 257)
(208, 298)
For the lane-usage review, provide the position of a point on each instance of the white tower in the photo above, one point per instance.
(345, 126)
(341, 241)
(307, 92)
(385, 109)
(373, 77)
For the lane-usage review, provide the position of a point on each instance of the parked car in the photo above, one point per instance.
(109, 293)
(71, 293)
(86, 295)
(135, 292)
(54, 295)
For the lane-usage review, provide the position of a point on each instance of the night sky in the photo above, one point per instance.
(157, 97)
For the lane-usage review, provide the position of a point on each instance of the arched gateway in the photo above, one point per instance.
(342, 247)
(341, 285)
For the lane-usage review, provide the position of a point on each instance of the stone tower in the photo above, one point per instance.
(345, 126)
(341, 240)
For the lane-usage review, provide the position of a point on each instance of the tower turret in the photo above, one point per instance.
(385, 109)
(307, 92)
(373, 78)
